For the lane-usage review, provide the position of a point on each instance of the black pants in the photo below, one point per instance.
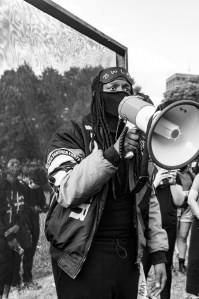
(192, 285)
(30, 252)
(166, 293)
(16, 278)
(109, 272)
(6, 264)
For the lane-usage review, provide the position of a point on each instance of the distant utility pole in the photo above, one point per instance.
(189, 69)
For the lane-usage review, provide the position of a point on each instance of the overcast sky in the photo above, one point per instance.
(161, 36)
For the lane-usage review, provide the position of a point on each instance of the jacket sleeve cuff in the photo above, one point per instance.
(112, 156)
(158, 257)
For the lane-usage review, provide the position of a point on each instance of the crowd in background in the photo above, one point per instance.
(180, 214)
(23, 196)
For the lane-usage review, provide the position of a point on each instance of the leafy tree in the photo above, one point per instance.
(33, 107)
(188, 91)
(17, 91)
(78, 85)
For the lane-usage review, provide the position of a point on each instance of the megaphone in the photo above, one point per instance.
(172, 140)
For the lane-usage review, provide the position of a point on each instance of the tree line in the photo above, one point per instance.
(34, 106)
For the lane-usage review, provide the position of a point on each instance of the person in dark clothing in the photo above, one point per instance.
(185, 217)
(14, 232)
(36, 206)
(195, 168)
(1, 171)
(94, 223)
(192, 282)
(170, 195)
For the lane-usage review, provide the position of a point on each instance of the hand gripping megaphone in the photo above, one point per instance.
(172, 140)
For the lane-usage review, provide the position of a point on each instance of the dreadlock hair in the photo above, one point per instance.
(99, 124)
(101, 130)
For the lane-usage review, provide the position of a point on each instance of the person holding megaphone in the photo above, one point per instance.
(100, 219)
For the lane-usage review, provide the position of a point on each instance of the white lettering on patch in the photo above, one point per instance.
(82, 215)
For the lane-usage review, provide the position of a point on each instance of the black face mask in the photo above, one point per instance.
(112, 101)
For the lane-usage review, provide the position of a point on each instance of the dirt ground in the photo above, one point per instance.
(48, 291)
(42, 274)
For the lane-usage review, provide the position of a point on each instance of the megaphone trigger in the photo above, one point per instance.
(130, 125)
(129, 155)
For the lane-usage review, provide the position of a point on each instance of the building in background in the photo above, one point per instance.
(178, 79)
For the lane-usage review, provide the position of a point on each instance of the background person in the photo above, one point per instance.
(94, 224)
(1, 171)
(192, 283)
(14, 232)
(195, 167)
(36, 205)
(185, 216)
(170, 194)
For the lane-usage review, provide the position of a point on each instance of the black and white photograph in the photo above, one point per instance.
(99, 149)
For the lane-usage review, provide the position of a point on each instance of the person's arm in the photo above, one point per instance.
(76, 177)
(161, 175)
(175, 184)
(193, 196)
(176, 188)
(160, 280)
(157, 241)
(177, 194)
(130, 142)
(85, 179)
(41, 199)
(192, 201)
(157, 245)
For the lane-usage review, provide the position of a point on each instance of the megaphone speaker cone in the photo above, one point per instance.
(183, 147)
(172, 141)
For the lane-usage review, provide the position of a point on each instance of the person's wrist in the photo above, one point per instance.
(155, 184)
(173, 183)
(112, 155)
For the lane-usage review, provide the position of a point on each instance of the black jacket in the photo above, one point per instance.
(80, 180)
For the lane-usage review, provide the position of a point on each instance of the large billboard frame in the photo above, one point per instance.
(56, 11)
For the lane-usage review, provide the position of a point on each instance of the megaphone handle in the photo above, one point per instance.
(130, 154)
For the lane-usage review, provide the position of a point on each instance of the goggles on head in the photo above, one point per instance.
(112, 73)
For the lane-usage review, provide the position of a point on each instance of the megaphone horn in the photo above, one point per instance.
(171, 140)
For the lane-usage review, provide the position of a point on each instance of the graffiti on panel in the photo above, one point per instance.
(28, 35)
